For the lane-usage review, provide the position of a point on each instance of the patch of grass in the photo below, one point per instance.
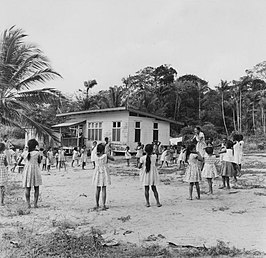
(239, 212)
(224, 208)
(260, 194)
(221, 249)
(124, 219)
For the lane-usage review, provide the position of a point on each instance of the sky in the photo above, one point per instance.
(107, 40)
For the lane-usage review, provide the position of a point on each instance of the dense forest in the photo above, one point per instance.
(235, 106)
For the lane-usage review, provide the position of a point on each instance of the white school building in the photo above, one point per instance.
(123, 126)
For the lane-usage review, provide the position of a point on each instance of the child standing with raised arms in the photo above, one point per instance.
(31, 173)
(3, 172)
(209, 169)
(101, 177)
(193, 175)
(149, 175)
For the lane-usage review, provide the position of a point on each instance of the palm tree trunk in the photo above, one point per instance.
(240, 111)
(225, 127)
(234, 118)
(253, 117)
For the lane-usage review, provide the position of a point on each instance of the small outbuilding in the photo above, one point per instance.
(124, 126)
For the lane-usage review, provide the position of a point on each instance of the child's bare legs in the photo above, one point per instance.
(137, 162)
(83, 165)
(72, 164)
(210, 185)
(97, 196)
(156, 195)
(190, 190)
(104, 197)
(223, 178)
(2, 193)
(36, 196)
(128, 162)
(198, 189)
(27, 195)
(147, 188)
(93, 162)
(227, 182)
(162, 164)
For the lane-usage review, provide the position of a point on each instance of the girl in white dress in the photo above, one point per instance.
(31, 176)
(127, 155)
(200, 139)
(164, 157)
(149, 175)
(241, 143)
(93, 153)
(227, 168)
(209, 170)
(182, 157)
(75, 157)
(193, 175)
(139, 154)
(101, 177)
(83, 157)
(3, 172)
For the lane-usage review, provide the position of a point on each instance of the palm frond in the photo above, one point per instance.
(39, 76)
(45, 95)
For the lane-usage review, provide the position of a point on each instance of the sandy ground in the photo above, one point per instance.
(236, 217)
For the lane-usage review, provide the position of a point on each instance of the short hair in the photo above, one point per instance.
(209, 150)
(100, 148)
(2, 146)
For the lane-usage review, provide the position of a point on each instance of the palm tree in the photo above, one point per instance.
(21, 66)
(223, 87)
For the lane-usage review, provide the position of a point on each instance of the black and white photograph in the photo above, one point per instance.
(132, 128)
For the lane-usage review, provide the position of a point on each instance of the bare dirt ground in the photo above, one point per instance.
(236, 217)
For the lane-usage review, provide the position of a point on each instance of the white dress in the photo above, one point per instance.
(101, 176)
(209, 169)
(236, 154)
(193, 174)
(31, 173)
(241, 146)
(200, 138)
(139, 152)
(93, 154)
(163, 156)
(151, 177)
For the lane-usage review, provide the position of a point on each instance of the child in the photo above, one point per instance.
(31, 173)
(241, 146)
(149, 175)
(236, 153)
(227, 168)
(93, 153)
(44, 161)
(61, 158)
(101, 177)
(3, 172)
(139, 154)
(193, 175)
(175, 154)
(83, 158)
(49, 160)
(164, 157)
(56, 159)
(75, 157)
(127, 155)
(182, 157)
(209, 170)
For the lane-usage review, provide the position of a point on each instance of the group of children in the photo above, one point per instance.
(198, 165)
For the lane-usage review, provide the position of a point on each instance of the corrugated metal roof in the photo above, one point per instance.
(133, 110)
(69, 123)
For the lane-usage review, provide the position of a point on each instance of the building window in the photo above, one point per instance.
(95, 131)
(116, 132)
(137, 132)
(155, 132)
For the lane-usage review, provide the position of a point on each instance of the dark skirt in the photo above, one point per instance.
(227, 169)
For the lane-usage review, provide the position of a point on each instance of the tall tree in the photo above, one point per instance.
(21, 66)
